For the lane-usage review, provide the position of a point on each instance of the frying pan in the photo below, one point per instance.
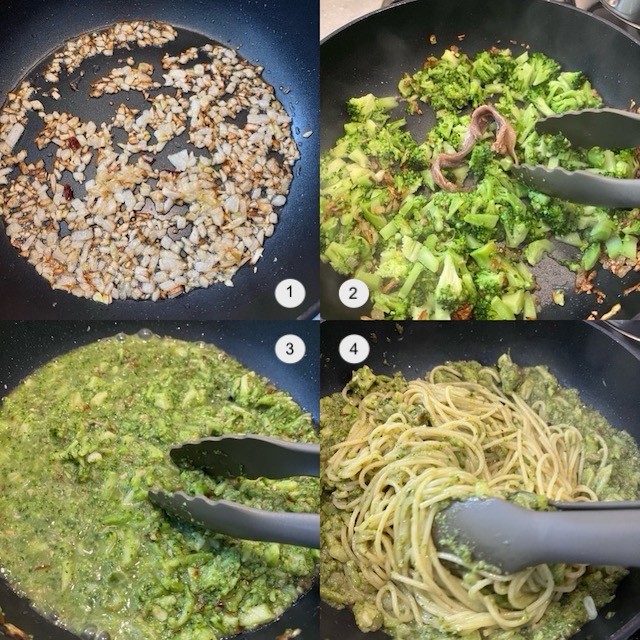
(272, 34)
(371, 54)
(584, 355)
(28, 345)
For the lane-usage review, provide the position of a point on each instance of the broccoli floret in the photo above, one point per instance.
(632, 228)
(490, 67)
(455, 286)
(346, 256)
(391, 304)
(490, 283)
(485, 255)
(450, 128)
(516, 219)
(407, 181)
(572, 79)
(559, 216)
(481, 156)
(492, 309)
(571, 92)
(393, 264)
(556, 144)
(369, 106)
(532, 70)
(416, 159)
(446, 83)
(535, 250)
(450, 292)
(517, 274)
(542, 105)
(604, 228)
(516, 231)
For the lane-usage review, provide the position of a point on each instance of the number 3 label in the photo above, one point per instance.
(290, 349)
(354, 349)
(353, 293)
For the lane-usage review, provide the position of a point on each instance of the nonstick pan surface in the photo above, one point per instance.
(275, 35)
(24, 346)
(372, 54)
(604, 368)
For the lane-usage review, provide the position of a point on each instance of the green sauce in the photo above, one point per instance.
(619, 481)
(83, 439)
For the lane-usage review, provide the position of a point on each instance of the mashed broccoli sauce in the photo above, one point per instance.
(619, 481)
(83, 439)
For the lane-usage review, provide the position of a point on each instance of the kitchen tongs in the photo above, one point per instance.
(605, 128)
(510, 537)
(251, 457)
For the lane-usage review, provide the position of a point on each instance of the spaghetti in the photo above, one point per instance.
(411, 448)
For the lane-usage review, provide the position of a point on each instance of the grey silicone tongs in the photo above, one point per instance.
(606, 128)
(252, 457)
(511, 538)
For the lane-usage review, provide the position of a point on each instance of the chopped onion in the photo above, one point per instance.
(590, 606)
(179, 160)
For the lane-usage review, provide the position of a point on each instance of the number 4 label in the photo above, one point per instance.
(354, 349)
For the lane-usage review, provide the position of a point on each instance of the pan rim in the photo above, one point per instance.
(215, 301)
(550, 2)
(337, 41)
(604, 335)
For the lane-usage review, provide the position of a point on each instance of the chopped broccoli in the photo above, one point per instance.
(428, 253)
(532, 70)
(493, 66)
(346, 256)
(393, 264)
(481, 156)
(450, 293)
(447, 83)
(369, 106)
(485, 254)
(559, 216)
(490, 283)
(416, 158)
(535, 250)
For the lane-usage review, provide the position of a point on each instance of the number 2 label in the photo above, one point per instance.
(353, 293)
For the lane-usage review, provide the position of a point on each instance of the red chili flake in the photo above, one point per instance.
(67, 192)
(73, 143)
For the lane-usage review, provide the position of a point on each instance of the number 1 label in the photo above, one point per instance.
(290, 293)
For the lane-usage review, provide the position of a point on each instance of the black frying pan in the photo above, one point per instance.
(273, 34)
(24, 346)
(602, 366)
(370, 55)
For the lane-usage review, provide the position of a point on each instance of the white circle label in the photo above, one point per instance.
(353, 293)
(354, 349)
(290, 293)
(290, 348)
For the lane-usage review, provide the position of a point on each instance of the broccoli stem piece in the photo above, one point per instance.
(535, 250)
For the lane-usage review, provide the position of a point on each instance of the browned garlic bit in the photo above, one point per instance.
(145, 228)
(481, 118)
